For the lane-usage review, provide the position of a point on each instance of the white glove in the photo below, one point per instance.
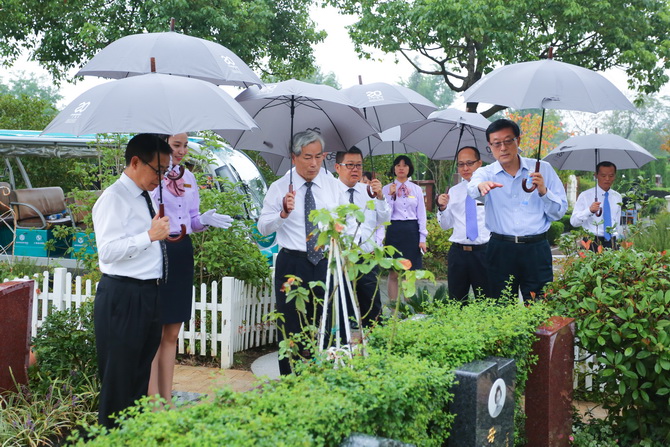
(214, 219)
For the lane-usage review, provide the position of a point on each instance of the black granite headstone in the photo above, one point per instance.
(484, 404)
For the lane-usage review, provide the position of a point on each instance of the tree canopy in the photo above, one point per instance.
(272, 36)
(466, 39)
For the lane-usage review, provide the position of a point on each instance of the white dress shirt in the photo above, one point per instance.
(291, 231)
(453, 216)
(121, 222)
(583, 217)
(365, 237)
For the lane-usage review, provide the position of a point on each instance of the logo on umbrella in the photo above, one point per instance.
(231, 64)
(375, 95)
(78, 111)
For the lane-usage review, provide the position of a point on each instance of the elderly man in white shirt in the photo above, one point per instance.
(126, 314)
(286, 213)
(598, 210)
(349, 167)
(457, 210)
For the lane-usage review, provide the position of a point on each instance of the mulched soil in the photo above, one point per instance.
(241, 360)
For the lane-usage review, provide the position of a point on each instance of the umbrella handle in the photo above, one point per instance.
(284, 204)
(370, 193)
(161, 213)
(176, 173)
(599, 212)
(524, 182)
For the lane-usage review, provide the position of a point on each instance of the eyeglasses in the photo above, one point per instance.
(351, 166)
(507, 143)
(469, 164)
(159, 172)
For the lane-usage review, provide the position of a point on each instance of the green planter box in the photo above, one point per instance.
(81, 240)
(6, 236)
(32, 242)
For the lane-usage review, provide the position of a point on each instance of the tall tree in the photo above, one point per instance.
(432, 87)
(273, 36)
(467, 39)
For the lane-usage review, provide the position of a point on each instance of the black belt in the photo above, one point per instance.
(465, 247)
(142, 282)
(520, 239)
(300, 254)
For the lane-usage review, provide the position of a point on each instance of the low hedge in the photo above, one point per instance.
(400, 391)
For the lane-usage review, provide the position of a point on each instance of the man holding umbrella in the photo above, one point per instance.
(600, 217)
(126, 314)
(518, 250)
(287, 214)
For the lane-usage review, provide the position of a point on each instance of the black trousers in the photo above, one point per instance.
(526, 266)
(466, 269)
(127, 335)
(599, 240)
(292, 263)
(369, 297)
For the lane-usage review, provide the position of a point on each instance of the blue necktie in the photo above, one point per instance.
(607, 216)
(313, 255)
(471, 230)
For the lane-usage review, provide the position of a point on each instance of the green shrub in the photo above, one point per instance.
(654, 236)
(620, 300)
(565, 220)
(65, 349)
(438, 244)
(555, 230)
(391, 396)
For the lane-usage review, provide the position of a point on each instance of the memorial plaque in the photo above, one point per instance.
(16, 303)
(484, 404)
(549, 386)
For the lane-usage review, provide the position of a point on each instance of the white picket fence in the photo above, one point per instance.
(227, 317)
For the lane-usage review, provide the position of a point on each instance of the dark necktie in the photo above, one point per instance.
(471, 230)
(313, 255)
(351, 194)
(152, 213)
(607, 216)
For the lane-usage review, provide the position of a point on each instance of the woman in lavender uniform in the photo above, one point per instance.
(182, 205)
(407, 231)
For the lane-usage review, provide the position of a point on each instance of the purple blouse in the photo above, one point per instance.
(408, 206)
(185, 209)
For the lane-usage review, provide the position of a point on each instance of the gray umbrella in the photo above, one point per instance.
(386, 142)
(175, 54)
(547, 84)
(445, 131)
(584, 152)
(282, 108)
(153, 103)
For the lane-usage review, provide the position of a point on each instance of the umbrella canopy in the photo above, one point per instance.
(445, 131)
(153, 103)
(284, 108)
(175, 54)
(548, 84)
(583, 152)
(386, 142)
(386, 105)
(280, 164)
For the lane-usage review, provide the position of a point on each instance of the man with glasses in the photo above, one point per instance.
(467, 256)
(286, 213)
(126, 314)
(518, 252)
(349, 167)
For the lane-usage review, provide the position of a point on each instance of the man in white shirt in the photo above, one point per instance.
(457, 210)
(286, 213)
(126, 314)
(349, 167)
(598, 210)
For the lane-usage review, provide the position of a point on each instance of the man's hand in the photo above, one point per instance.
(538, 181)
(443, 201)
(485, 187)
(160, 228)
(290, 204)
(595, 206)
(376, 187)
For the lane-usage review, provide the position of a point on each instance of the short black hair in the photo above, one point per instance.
(408, 162)
(501, 124)
(605, 164)
(146, 146)
(367, 174)
(476, 151)
(339, 156)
